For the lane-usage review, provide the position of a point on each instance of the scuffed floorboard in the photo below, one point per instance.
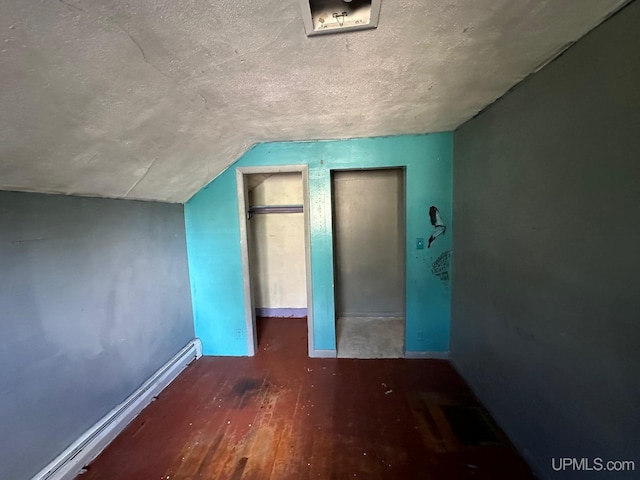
(282, 415)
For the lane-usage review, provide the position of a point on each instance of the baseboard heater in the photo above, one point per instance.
(88, 446)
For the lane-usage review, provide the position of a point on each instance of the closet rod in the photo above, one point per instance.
(262, 209)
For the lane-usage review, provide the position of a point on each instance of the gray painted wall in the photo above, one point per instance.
(94, 297)
(546, 299)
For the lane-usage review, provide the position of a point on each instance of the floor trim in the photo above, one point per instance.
(87, 447)
(427, 355)
(281, 312)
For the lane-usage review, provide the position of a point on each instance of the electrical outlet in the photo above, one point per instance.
(419, 336)
(419, 243)
(239, 334)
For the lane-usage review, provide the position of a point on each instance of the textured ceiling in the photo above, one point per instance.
(152, 99)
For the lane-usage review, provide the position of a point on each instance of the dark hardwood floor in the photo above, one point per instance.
(282, 415)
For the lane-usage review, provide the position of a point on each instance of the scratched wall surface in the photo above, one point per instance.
(545, 307)
(213, 238)
(94, 297)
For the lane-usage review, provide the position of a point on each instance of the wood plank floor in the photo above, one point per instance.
(282, 415)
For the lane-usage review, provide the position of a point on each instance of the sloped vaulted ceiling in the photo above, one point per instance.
(152, 99)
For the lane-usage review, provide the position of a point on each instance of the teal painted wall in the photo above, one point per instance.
(213, 238)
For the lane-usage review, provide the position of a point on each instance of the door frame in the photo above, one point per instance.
(243, 215)
(403, 241)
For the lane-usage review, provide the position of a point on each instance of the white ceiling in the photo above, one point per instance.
(152, 99)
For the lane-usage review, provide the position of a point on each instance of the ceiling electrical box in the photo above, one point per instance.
(334, 16)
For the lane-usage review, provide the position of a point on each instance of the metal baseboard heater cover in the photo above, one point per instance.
(88, 446)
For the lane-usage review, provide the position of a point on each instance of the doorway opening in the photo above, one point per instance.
(369, 262)
(274, 241)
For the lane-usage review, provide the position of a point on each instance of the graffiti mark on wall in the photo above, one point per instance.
(440, 267)
(438, 225)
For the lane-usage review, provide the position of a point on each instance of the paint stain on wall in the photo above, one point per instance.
(438, 225)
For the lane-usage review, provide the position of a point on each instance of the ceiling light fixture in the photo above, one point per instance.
(334, 16)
